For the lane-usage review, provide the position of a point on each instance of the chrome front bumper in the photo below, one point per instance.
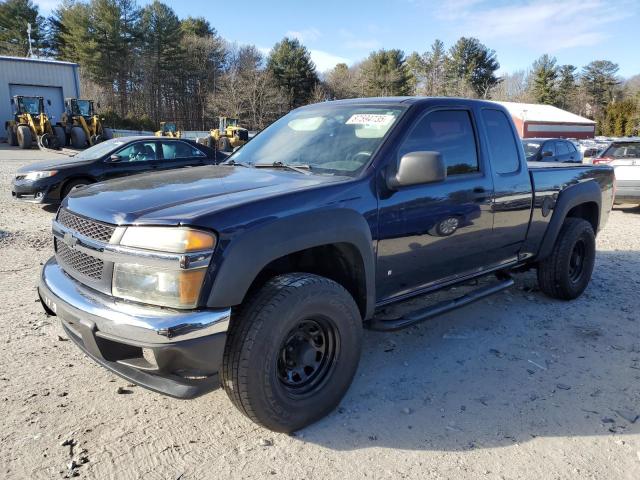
(187, 346)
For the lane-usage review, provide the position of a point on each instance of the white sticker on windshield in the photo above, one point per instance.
(370, 119)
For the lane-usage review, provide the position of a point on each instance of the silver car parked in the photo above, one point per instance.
(624, 157)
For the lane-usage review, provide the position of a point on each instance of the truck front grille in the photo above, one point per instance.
(86, 227)
(79, 262)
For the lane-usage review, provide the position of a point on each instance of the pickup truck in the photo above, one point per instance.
(260, 274)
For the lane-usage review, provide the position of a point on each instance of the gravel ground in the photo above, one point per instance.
(515, 386)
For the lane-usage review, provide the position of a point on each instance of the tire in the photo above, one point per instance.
(78, 138)
(12, 138)
(61, 135)
(107, 134)
(224, 144)
(72, 185)
(567, 271)
(210, 142)
(274, 387)
(25, 139)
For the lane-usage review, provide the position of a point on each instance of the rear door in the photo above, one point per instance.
(513, 192)
(179, 154)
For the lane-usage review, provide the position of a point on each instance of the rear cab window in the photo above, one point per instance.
(623, 150)
(503, 148)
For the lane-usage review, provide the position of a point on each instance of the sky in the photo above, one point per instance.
(574, 31)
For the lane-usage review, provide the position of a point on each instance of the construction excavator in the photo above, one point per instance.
(30, 122)
(168, 129)
(81, 126)
(228, 135)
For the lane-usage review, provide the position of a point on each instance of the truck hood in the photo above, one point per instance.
(181, 196)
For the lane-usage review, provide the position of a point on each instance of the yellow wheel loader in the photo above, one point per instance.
(168, 129)
(81, 126)
(228, 135)
(29, 123)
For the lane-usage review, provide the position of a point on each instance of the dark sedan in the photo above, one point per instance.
(50, 182)
(551, 150)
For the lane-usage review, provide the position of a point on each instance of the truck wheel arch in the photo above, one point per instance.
(581, 200)
(343, 232)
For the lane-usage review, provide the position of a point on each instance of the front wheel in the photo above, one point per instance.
(567, 271)
(292, 351)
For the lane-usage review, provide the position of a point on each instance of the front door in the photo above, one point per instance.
(432, 232)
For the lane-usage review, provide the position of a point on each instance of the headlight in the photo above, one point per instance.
(168, 239)
(177, 288)
(168, 288)
(39, 175)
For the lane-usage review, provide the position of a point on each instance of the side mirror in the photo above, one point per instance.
(547, 153)
(416, 168)
(114, 158)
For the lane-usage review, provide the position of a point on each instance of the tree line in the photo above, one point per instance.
(145, 65)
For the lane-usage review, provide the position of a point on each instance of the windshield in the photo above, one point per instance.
(623, 150)
(99, 150)
(31, 105)
(334, 139)
(530, 148)
(84, 107)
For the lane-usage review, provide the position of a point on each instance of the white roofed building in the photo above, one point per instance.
(545, 121)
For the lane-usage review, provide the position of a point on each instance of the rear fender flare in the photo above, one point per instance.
(247, 254)
(580, 193)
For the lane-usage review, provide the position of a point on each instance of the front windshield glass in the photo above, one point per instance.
(31, 105)
(333, 139)
(99, 150)
(530, 148)
(84, 108)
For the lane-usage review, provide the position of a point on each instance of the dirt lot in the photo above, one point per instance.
(516, 386)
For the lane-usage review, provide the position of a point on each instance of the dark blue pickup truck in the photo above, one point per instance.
(261, 273)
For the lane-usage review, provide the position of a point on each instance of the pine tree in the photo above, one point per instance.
(435, 69)
(566, 90)
(599, 81)
(385, 73)
(470, 68)
(544, 75)
(15, 15)
(293, 71)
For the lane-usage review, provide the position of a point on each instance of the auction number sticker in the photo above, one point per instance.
(370, 119)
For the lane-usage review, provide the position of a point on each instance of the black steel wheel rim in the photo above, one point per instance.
(307, 355)
(577, 260)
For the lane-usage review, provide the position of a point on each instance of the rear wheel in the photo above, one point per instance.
(12, 138)
(224, 144)
(61, 135)
(107, 134)
(78, 138)
(292, 351)
(25, 139)
(567, 271)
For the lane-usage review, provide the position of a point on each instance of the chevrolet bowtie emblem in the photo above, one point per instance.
(69, 240)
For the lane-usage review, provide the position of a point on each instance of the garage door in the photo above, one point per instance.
(54, 94)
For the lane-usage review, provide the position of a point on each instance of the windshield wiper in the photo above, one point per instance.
(301, 168)
(234, 163)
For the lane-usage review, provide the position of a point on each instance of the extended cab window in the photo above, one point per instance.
(449, 132)
(563, 149)
(502, 144)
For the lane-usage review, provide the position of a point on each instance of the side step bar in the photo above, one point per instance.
(439, 308)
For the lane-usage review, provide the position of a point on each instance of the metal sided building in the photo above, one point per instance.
(545, 121)
(50, 79)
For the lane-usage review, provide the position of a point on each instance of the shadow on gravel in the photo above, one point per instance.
(502, 371)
